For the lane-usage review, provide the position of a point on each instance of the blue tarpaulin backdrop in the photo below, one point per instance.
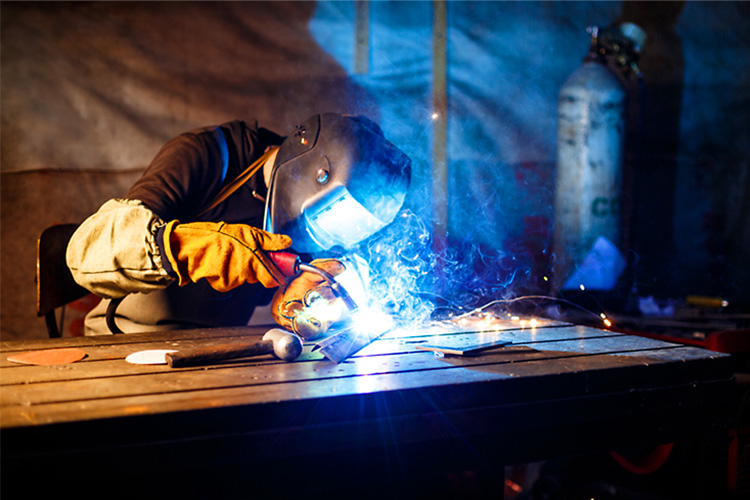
(91, 90)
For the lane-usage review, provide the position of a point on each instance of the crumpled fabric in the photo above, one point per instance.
(114, 252)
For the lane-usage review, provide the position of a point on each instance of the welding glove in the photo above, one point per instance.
(226, 255)
(306, 304)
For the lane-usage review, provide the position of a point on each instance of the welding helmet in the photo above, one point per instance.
(335, 182)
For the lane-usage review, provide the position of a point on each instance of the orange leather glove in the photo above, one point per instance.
(226, 255)
(306, 304)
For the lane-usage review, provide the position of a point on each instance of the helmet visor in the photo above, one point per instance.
(336, 218)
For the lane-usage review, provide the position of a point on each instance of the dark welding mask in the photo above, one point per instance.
(336, 181)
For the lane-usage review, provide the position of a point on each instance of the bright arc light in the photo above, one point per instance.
(324, 310)
(353, 283)
(371, 321)
(435, 116)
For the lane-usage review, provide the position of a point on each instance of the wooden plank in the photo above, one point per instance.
(25, 374)
(558, 358)
(32, 393)
(261, 451)
(344, 425)
(9, 346)
(393, 342)
(565, 376)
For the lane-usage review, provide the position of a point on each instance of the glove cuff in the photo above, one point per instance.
(163, 238)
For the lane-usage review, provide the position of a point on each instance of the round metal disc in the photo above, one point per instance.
(49, 357)
(150, 357)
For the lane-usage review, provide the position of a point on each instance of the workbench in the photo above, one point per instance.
(390, 416)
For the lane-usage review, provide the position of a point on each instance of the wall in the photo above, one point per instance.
(91, 90)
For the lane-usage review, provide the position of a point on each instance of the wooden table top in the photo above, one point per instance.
(103, 385)
(554, 379)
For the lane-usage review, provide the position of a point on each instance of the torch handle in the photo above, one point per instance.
(290, 263)
(210, 355)
(287, 262)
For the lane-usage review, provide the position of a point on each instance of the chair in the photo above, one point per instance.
(54, 283)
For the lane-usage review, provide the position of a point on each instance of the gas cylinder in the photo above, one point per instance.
(591, 128)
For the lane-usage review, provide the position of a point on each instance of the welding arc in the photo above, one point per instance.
(110, 315)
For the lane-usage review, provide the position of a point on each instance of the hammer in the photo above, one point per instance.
(284, 345)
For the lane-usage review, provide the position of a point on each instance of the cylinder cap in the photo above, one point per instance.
(635, 34)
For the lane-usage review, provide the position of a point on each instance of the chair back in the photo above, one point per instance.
(54, 281)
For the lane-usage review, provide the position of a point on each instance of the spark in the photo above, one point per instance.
(480, 310)
(435, 116)
(401, 282)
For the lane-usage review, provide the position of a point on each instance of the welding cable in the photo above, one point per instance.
(110, 316)
(648, 464)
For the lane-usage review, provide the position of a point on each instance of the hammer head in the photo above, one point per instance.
(286, 345)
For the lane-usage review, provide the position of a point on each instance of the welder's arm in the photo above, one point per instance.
(226, 255)
(115, 252)
(125, 248)
(305, 304)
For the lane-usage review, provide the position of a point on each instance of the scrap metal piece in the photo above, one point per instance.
(49, 357)
(469, 350)
(149, 357)
(341, 345)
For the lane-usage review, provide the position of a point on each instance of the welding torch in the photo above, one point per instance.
(290, 264)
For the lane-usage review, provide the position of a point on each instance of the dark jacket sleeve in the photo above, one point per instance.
(116, 250)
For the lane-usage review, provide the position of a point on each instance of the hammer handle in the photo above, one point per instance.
(215, 354)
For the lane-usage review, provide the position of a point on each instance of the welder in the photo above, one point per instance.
(190, 244)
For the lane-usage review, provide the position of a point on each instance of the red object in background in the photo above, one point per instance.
(726, 341)
(76, 313)
(729, 341)
(647, 464)
(738, 476)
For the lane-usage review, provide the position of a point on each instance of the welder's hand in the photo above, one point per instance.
(306, 305)
(226, 255)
